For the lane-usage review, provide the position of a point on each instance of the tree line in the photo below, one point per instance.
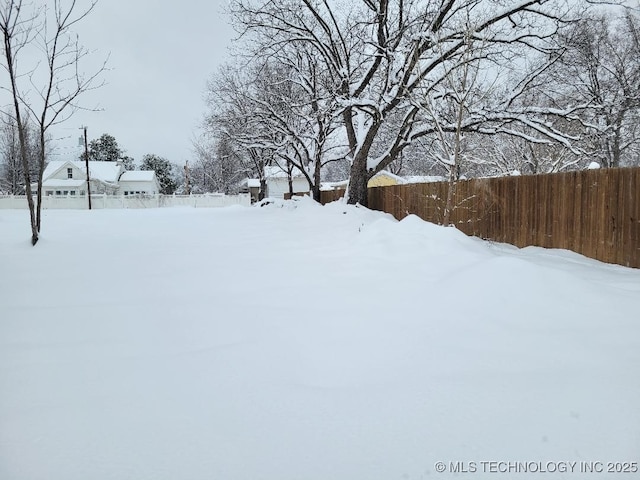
(458, 88)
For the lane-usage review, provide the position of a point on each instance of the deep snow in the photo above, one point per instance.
(299, 342)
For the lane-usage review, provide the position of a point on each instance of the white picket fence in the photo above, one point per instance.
(209, 200)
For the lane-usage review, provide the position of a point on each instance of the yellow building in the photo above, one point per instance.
(384, 179)
(380, 179)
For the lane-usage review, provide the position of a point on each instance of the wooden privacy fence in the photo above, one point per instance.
(593, 212)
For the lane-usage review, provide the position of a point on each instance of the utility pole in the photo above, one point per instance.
(86, 162)
(186, 177)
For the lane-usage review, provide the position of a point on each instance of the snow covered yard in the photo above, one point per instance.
(300, 342)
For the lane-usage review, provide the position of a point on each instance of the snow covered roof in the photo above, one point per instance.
(53, 167)
(274, 171)
(386, 173)
(424, 179)
(105, 171)
(138, 176)
(249, 183)
(343, 183)
(400, 180)
(108, 172)
(334, 185)
(270, 172)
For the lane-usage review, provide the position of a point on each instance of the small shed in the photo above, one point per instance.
(252, 187)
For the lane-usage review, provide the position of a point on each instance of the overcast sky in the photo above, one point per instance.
(161, 55)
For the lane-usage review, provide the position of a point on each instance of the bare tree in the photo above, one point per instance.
(218, 167)
(301, 114)
(231, 120)
(57, 82)
(11, 168)
(386, 57)
(16, 31)
(203, 171)
(601, 68)
(10, 164)
(460, 92)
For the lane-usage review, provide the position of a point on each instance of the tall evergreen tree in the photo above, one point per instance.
(164, 171)
(105, 149)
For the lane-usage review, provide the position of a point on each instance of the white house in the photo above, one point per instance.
(69, 178)
(278, 182)
(138, 182)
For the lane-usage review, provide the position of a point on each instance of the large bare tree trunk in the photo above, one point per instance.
(358, 179)
(315, 188)
(360, 174)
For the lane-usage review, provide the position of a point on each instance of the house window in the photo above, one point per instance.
(72, 193)
(69, 172)
(82, 192)
(66, 192)
(58, 192)
(49, 193)
(126, 193)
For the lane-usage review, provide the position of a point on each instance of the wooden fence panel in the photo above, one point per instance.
(633, 239)
(620, 213)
